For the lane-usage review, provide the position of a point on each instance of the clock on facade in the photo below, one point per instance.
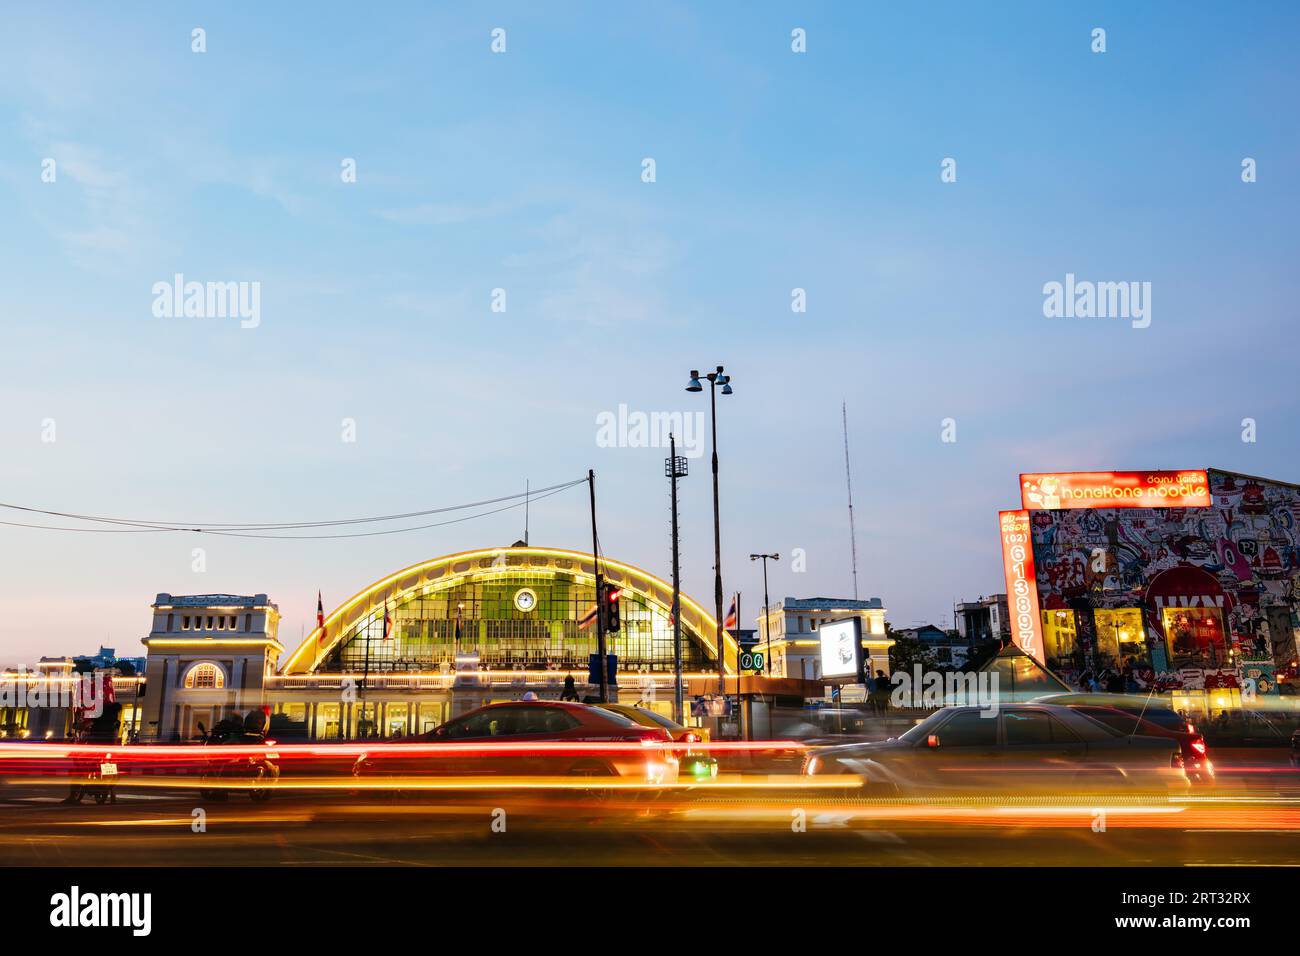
(525, 600)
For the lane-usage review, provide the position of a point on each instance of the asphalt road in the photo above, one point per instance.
(1252, 817)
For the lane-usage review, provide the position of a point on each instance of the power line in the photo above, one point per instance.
(246, 530)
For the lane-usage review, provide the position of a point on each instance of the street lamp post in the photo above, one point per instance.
(715, 378)
(767, 624)
(674, 468)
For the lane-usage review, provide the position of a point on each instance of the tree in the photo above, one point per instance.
(907, 651)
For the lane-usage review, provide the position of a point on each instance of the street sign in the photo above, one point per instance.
(593, 668)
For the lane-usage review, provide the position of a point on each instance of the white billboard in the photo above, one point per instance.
(841, 645)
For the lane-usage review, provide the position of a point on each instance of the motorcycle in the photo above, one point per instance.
(258, 771)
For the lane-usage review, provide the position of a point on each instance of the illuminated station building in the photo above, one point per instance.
(466, 629)
(1189, 581)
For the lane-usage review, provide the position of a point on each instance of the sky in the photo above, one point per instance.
(524, 171)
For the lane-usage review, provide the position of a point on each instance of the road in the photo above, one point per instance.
(1251, 817)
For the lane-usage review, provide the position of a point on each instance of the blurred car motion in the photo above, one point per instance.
(1124, 715)
(494, 740)
(697, 764)
(1023, 747)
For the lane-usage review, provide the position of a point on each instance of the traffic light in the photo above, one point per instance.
(609, 607)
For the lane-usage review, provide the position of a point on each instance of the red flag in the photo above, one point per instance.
(320, 617)
(729, 624)
(388, 622)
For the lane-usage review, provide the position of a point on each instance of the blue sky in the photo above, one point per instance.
(522, 171)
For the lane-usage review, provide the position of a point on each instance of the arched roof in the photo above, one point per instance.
(696, 622)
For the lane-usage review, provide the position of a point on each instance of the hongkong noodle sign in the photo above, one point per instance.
(1115, 489)
(1022, 582)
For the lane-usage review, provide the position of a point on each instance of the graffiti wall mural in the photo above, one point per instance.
(1175, 597)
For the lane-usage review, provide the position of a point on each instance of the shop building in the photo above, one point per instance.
(984, 619)
(1184, 582)
(788, 634)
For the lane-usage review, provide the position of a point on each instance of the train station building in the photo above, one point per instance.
(422, 645)
(429, 642)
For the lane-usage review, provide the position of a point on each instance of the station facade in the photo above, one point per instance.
(421, 646)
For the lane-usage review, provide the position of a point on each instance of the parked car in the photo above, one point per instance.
(502, 739)
(1020, 748)
(697, 764)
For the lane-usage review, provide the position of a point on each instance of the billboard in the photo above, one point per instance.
(1115, 489)
(842, 648)
(1022, 582)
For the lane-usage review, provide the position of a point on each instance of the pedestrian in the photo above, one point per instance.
(570, 691)
(881, 692)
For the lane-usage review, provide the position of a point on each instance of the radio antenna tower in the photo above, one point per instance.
(848, 480)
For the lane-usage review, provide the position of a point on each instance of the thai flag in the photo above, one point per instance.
(731, 620)
(588, 619)
(320, 617)
(388, 622)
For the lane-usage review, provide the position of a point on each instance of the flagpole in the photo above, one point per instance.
(365, 674)
(740, 712)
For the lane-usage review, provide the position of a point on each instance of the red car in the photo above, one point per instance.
(530, 738)
(1158, 722)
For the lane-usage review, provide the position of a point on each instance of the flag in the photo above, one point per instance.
(731, 620)
(320, 617)
(588, 619)
(388, 622)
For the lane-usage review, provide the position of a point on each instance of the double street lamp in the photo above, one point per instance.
(716, 379)
(767, 624)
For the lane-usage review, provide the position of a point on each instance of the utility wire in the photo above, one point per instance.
(134, 525)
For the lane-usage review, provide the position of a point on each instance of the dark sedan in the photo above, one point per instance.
(1017, 748)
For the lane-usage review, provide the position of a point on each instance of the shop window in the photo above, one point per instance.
(1195, 636)
(1060, 639)
(1121, 639)
(205, 676)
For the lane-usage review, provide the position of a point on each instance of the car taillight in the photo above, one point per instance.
(1198, 744)
(691, 738)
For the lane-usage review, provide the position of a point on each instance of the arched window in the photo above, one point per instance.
(205, 676)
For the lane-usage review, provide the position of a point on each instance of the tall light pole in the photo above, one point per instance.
(715, 378)
(674, 468)
(767, 633)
